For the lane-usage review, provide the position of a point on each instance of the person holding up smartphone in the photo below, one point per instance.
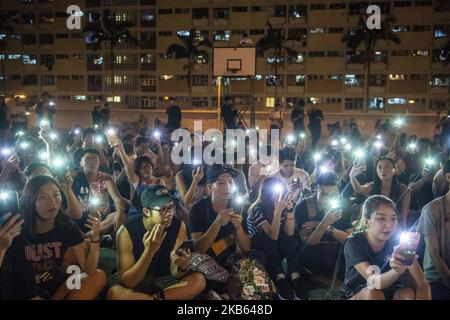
(296, 179)
(368, 275)
(10, 227)
(323, 223)
(271, 223)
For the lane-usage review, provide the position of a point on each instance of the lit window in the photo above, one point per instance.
(14, 56)
(27, 59)
(397, 77)
(183, 33)
(80, 98)
(420, 53)
(397, 101)
(98, 60)
(166, 77)
(270, 102)
(202, 60)
(317, 30)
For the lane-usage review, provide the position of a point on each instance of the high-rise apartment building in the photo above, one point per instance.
(44, 55)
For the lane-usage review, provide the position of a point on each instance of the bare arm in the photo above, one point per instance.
(131, 272)
(186, 196)
(386, 279)
(118, 201)
(204, 241)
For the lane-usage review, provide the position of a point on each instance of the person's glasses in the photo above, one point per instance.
(165, 211)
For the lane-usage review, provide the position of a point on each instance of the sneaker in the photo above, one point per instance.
(299, 290)
(284, 289)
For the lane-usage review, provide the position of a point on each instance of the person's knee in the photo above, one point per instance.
(375, 294)
(405, 294)
(99, 278)
(116, 292)
(198, 282)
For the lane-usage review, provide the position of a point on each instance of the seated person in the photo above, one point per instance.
(322, 225)
(94, 190)
(295, 179)
(368, 275)
(271, 225)
(434, 225)
(36, 261)
(215, 227)
(150, 266)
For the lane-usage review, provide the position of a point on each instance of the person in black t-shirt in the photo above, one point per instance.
(375, 269)
(215, 227)
(173, 116)
(315, 119)
(323, 224)
(151, 264)
(38, 256)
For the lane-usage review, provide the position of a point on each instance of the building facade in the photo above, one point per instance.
(44, 55)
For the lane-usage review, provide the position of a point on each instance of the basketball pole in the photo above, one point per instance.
(219, 79)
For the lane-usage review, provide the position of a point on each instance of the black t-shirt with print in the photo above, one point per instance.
(43, 257)
(81, 188)
(356, 250)
(201, 217)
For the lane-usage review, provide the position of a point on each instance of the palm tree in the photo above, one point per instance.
(111, 33)
(7, 20)
(276, 41)
(189, 49)
(367, 38)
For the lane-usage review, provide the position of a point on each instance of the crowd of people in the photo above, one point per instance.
(368, 214)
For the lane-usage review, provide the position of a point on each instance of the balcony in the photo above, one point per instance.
(324, 86)
(148, 88)
(408, 86)
(148, 44)
(94, 87)
(148, 66)
(295, 89)
(277, 21)
(200, 22)
(221, 22)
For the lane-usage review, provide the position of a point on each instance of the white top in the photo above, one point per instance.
(300, 174)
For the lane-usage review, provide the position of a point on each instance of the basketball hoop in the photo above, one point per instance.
(233, 70)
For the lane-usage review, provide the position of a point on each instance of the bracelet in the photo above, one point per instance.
(92, 241)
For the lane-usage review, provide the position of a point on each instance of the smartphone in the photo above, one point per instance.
(408, 246)
(236, 203)
(186, 245)
(296, 180)
(9, 202)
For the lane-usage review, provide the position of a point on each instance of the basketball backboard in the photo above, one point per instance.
(234, 62)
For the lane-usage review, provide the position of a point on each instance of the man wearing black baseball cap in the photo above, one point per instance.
(216, 228)
(150, 265)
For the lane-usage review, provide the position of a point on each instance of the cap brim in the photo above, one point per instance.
(161, 201)
(213, 178)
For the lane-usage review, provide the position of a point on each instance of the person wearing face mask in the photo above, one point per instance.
(323, 222)
(385, 183)
(150, 263)
(365, 256)
(296, 179)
